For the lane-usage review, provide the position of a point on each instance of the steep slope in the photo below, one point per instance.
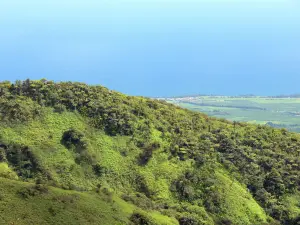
(136, 160)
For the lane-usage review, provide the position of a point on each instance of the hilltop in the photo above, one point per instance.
(71, 153)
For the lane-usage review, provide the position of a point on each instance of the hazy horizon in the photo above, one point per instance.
(155, 48)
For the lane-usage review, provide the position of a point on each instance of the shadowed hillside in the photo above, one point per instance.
(71, 153)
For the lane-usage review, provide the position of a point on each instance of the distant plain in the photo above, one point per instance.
(280, 112)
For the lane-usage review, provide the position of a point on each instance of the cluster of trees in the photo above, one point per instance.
(18, 109)
(265, 159)
(22, 159)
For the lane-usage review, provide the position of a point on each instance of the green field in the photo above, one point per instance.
(277, 112)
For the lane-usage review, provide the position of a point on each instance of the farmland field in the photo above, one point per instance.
(277, 112)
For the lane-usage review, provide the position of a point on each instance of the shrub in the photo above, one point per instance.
(187, 221)
(24, 161)
(139, 200)
(33, 191)
(213, 201)
(140, 218)
(224, 222)
(59, 108)
(183, 186)
(74, 139)
(2, 155)
(141, 186)
(98, 169)
(147, 153)
(19, 109)
(84, 157)
(107, 195)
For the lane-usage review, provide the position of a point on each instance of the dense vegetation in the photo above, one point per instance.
(77, 154)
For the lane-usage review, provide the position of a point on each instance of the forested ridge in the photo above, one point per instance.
(134, 160)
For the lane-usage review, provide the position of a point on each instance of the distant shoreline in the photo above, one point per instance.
(229, 96)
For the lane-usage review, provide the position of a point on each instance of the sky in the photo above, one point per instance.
(155, 47)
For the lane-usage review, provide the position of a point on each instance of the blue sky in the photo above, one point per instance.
(155, 47)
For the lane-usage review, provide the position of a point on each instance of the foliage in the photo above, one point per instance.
(139, 218)
(168, 163)
(23, 161)
(18, 109)
(74, 139)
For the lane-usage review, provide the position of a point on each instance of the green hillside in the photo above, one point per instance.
(77, 154)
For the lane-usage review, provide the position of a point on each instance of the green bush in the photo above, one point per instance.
(147, 153)
(19, 109)
(24, 161)
(141, 218)
(34, 190)
(74, 139)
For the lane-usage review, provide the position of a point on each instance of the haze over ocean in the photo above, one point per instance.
(155, 47)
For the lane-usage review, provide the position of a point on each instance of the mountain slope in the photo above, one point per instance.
(136, 160)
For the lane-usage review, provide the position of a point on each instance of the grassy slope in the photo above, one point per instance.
(240, 205)
(57, 206)
(44, 138)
